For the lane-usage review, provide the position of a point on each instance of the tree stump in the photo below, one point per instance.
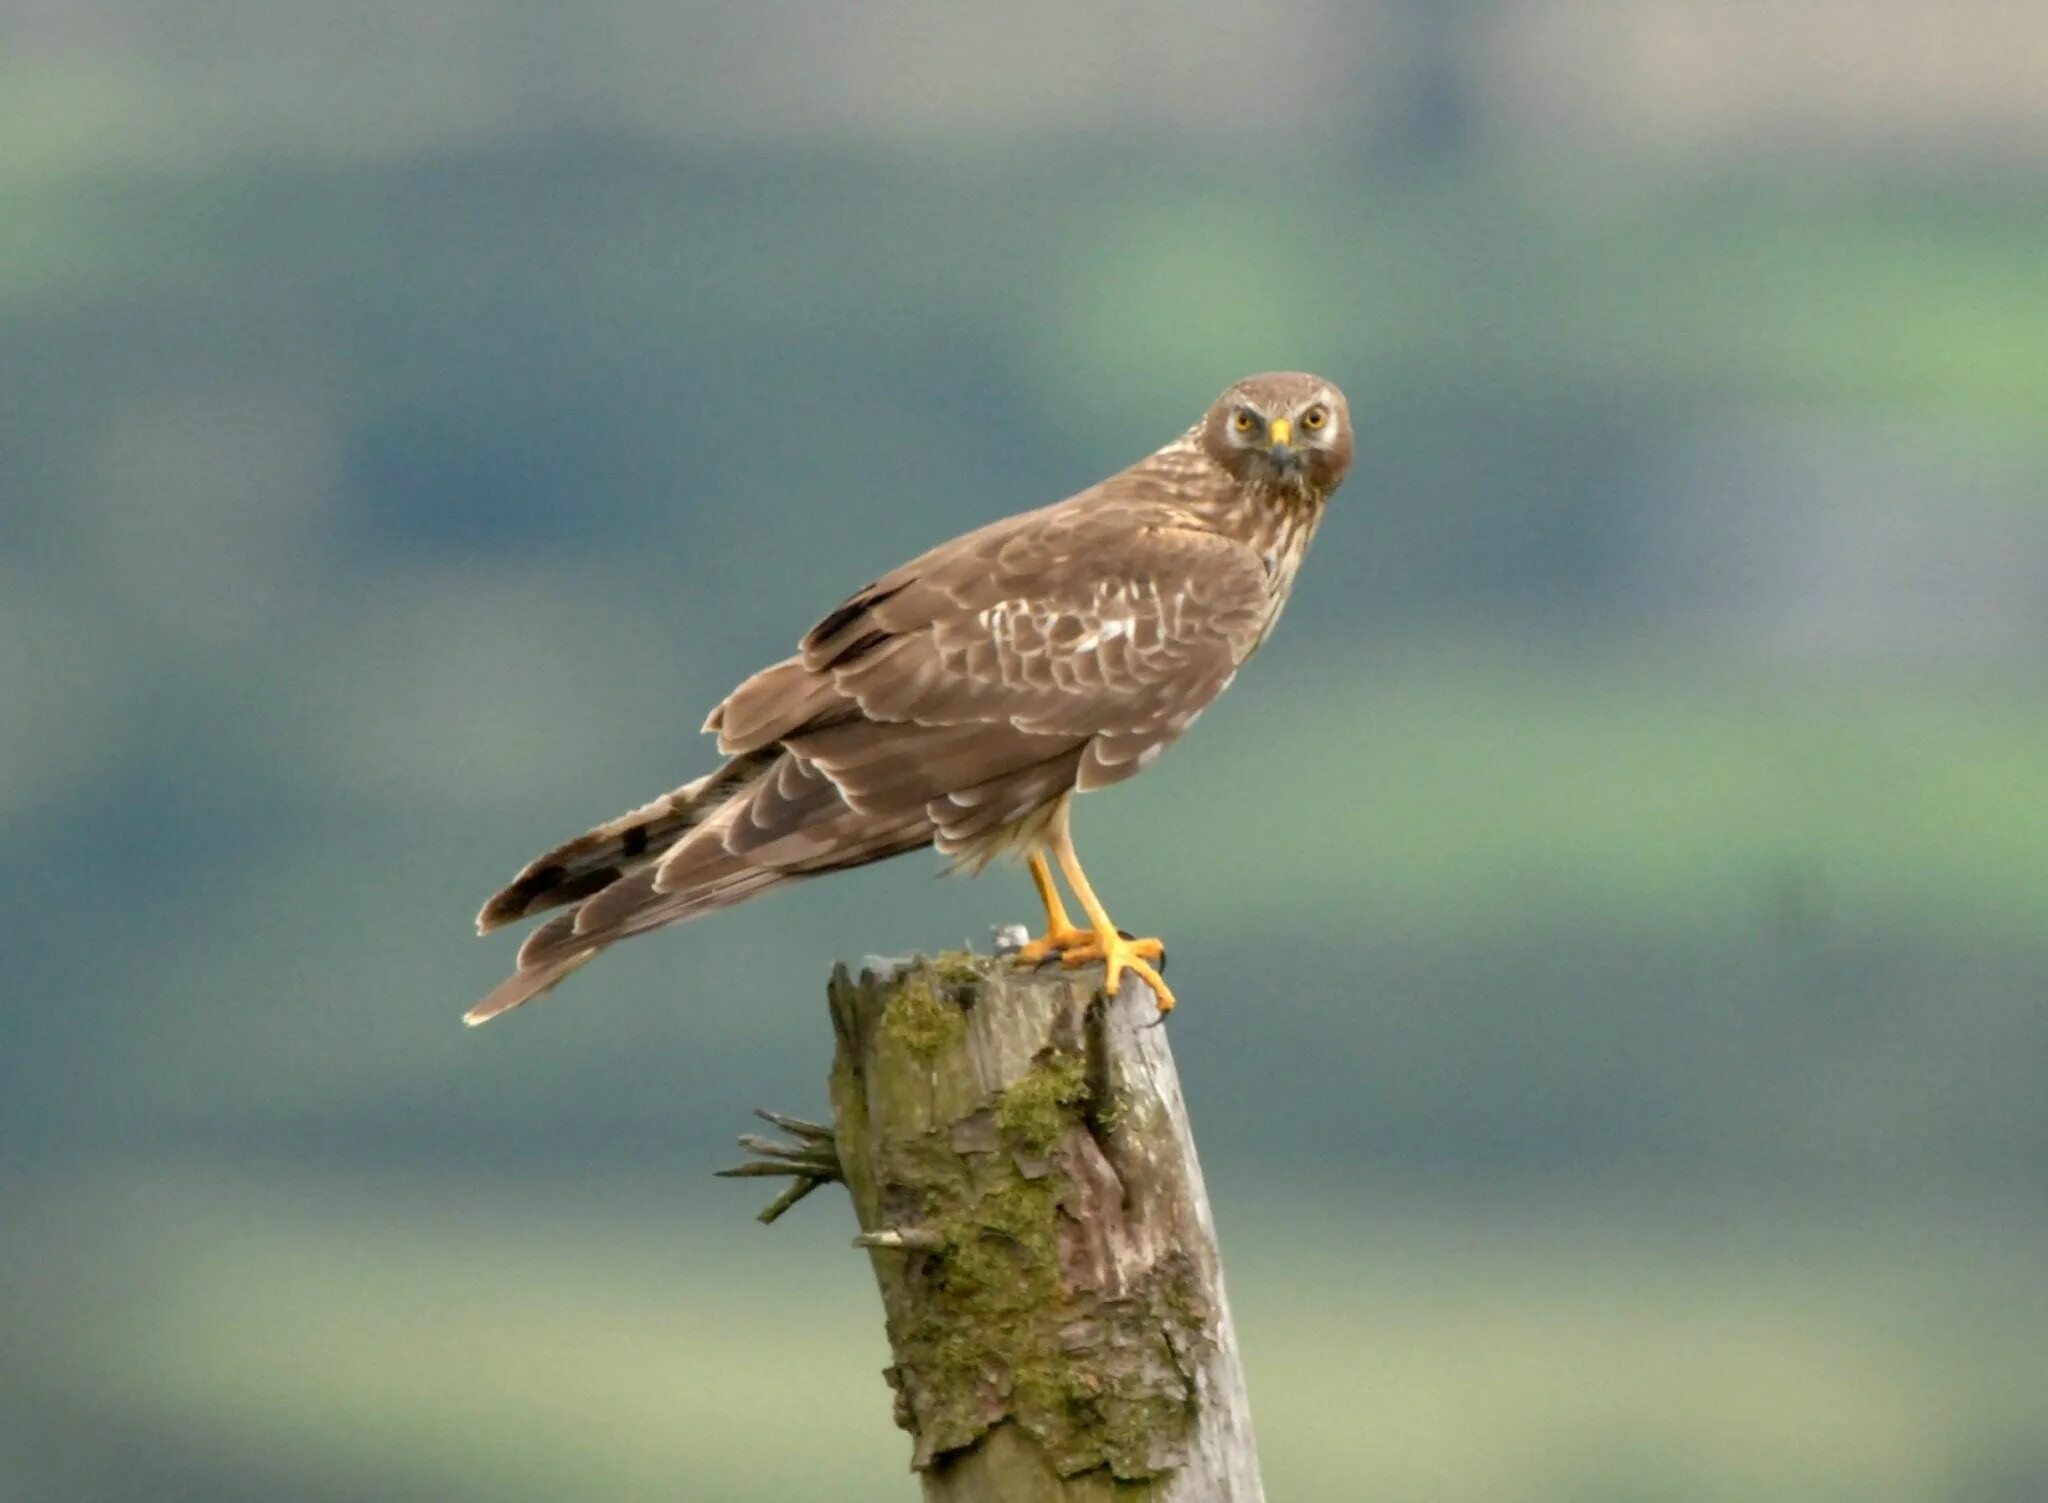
(1025, 1180)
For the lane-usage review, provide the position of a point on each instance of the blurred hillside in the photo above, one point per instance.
(1671, 80)
(418, 415)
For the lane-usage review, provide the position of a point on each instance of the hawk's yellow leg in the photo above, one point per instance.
(1060, 933)
(1116, 953)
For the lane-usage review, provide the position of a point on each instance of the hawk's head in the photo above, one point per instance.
(1286, 429)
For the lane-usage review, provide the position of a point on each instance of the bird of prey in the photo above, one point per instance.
(962, 700)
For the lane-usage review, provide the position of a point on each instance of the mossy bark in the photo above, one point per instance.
(1057, 1321)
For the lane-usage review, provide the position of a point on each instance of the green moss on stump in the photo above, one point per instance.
(994, 1332)
(999, 1323)
(923, 1013)
(1035, 1113)
(1008, 1322)
(959, 968)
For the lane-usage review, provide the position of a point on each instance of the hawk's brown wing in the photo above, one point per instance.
(947, 703)
(1109, 627)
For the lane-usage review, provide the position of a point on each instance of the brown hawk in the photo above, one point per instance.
(963, 699)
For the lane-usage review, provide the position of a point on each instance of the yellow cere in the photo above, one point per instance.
(1281, 432)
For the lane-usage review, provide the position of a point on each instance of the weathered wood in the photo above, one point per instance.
(1025, 1180)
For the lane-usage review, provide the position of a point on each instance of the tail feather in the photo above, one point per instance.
(525, 984)
(560, 947)
(767, 819)
(595, 860)
(701, 877)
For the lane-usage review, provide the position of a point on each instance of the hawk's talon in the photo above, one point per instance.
(1159, 959)
(1120, 954)
(1055, 942)
(1089, 949)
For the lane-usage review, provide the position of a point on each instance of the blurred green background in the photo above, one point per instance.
(1611, 945)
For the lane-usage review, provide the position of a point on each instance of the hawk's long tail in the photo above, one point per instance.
(596, 859)
(765, 819)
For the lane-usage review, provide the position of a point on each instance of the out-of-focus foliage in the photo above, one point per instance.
(1622, 874)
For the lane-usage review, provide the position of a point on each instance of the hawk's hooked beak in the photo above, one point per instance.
(1280, 443)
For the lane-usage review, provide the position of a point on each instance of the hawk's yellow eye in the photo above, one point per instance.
(1315, 418)
(1243, 421)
